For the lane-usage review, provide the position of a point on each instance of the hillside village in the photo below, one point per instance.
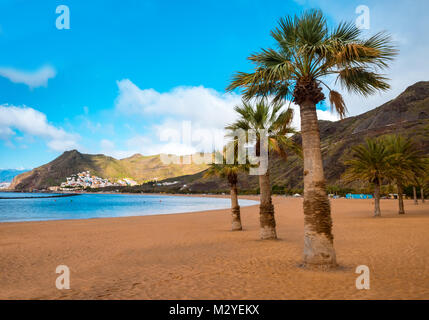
(84, 180)
(4, 185)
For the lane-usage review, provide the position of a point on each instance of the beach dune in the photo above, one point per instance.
(195, 256)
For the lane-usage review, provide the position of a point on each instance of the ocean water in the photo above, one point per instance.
(88, 206)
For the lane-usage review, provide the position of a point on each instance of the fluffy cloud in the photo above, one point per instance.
(32, 79)
(34, 123)
(321, 115)
(191, 118)
(201, 105)
(145, 145)
(205, 111)
(196, 104)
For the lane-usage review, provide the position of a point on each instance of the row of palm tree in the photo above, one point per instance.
(307, 54)
(393, 159)
(276, 122)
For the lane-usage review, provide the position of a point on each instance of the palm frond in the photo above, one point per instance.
(359, 80)
(369, 162)
(382, 45)
(271, 117)
(406, 160)
(337, 103)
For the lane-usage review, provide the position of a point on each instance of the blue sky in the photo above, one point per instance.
(127, 71)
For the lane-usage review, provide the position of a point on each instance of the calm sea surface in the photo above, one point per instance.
(102, 205)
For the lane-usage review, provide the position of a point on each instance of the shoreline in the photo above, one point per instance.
(252, 198)
(65, 195)
(129, 193)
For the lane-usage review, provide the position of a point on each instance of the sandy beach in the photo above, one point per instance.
(195, 256)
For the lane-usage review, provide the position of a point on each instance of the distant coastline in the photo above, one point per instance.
(42, 197)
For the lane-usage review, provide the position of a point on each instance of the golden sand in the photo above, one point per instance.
(195, 256)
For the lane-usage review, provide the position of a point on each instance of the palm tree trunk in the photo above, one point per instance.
(266, 209)
(377, 212)
(235, 209)
(400, 199)
(318, 238)
(422, 193)
(415, 195)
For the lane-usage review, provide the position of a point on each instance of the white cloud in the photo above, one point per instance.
(34, 123)
(108, 147)
(32, 79)
(327, 115)
(197, 104)
(192, 118)
(147, 146)
(321, 115)
(5, 133)
(206, 110)
(62, 144)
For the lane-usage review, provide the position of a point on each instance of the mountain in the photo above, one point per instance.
(138, 167)
(407, 114)
(7, 175)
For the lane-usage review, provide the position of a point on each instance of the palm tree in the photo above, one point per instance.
(416, 202)
(423, 180)
(308, 52)
(369, 164)
(406, 163)
(230, 173)
(277, 125)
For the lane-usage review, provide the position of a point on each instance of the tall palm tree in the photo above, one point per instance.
(369, 164)
(416, 202)
(406, 162)
(422, 181)
(277, 125)
(230, 173)
(306, 53)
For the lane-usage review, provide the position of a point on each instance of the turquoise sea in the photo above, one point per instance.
(88, 206)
